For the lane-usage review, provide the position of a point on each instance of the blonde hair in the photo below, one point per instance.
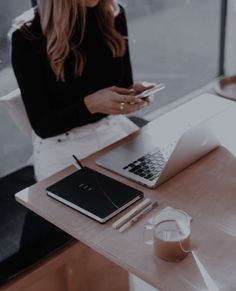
(61, 18)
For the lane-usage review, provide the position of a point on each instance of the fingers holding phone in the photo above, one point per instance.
(114, 100)
(151, 91)
(117, 100)
(146, 91)
(142, 86)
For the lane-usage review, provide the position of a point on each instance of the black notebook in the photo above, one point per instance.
(94, 194)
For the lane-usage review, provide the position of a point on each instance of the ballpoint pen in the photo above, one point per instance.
(118, 223)
(138, 216)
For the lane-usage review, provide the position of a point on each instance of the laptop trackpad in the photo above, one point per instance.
(141, 145)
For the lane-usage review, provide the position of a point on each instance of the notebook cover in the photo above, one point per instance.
(94, 194)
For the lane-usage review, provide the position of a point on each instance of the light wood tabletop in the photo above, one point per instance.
(206, 190)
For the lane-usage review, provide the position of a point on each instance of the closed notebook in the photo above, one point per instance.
(94, 194)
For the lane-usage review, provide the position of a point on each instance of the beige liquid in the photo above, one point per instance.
(173, 247)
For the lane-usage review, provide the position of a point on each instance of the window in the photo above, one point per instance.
(176, 42)
(8, 11)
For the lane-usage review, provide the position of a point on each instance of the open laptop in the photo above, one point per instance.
(149, 164)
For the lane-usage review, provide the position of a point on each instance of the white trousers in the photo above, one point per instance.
(55, 153)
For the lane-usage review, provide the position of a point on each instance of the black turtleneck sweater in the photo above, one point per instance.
(54, 107)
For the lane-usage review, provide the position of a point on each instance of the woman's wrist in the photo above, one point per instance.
(89, 102)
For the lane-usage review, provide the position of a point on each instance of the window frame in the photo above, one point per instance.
(223, 19)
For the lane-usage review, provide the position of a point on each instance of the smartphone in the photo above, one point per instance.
(151, 91)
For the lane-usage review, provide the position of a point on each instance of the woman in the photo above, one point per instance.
(73, 68)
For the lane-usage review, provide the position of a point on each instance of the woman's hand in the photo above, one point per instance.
(140, 87)
(114, 100)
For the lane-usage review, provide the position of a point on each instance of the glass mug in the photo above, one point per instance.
(170, 237)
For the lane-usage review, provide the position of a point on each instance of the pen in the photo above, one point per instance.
(118, 223)
(77, 161)
(138, 216)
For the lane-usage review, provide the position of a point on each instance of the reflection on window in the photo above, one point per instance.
(175, 42)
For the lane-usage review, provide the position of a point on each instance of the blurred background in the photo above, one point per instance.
(176, 42)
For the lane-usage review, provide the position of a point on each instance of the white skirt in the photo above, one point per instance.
(55, 153)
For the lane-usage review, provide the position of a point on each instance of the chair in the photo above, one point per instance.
(20, 20)
(13, 104)
(15, 107)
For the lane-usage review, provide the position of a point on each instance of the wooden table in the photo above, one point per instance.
(206, 190)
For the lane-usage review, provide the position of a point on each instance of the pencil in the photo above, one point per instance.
(77, 161)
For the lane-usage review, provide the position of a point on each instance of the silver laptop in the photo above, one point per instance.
(146, 163)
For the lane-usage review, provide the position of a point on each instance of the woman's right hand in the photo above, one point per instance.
(114, 100)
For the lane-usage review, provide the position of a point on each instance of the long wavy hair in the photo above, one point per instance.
(61, 18)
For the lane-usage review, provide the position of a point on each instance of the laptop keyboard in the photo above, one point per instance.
(151, 165)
